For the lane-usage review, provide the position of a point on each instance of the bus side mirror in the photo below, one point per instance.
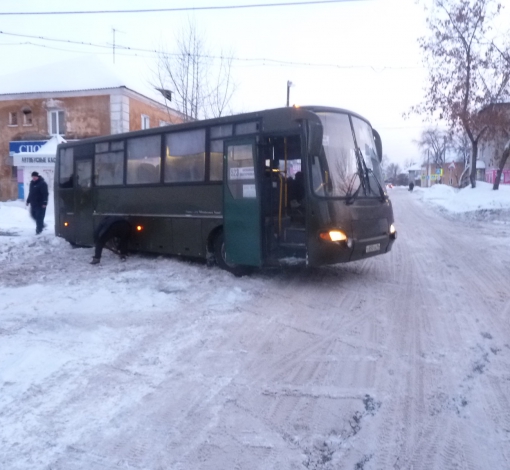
(378, 144)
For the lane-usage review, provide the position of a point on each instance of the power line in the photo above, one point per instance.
(263, 60)
(160, 10)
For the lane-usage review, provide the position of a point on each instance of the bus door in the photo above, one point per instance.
(83, 202)
(241, 203)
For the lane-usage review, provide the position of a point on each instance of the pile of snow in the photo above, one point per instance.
(481, 198)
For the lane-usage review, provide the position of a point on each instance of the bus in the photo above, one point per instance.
(250, 190)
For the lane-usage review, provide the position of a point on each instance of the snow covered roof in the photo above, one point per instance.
(78, 74)
(480, 165)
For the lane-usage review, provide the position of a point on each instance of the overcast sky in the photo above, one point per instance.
(357, 54)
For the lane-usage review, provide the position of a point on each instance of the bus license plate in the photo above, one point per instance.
(374, 247)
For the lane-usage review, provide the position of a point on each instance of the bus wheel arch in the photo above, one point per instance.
(219, 256)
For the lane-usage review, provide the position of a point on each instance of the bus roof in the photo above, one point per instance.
(275, 115)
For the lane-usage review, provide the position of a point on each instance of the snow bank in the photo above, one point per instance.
(481, 198)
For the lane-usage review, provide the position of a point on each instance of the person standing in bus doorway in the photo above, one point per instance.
(111, 229)
(38, 200)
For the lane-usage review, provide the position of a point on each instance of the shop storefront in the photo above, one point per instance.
(34, 156)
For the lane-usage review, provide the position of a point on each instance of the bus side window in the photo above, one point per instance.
(144, 160)
(185, 156)
(216, 171)
(84, 173)
(317, 180)
(109, 168)
(66, 177)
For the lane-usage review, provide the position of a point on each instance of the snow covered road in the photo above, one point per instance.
(398, 362)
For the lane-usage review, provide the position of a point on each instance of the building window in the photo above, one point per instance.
(57, 122)
(146, 122)
(13, 119)
(27, 116)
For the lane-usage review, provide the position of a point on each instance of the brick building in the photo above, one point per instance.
(73, 99)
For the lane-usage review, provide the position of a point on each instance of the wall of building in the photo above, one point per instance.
(139, 107)
(85, 116)
(89, 113)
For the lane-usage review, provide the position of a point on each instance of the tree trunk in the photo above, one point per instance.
(502, 163)
(474, 156)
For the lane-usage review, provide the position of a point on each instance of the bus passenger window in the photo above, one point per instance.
(144, 160)
(84, 173)
(109, 168)
(224, 130)
(185, 156)
(66, 168)
(216, 172)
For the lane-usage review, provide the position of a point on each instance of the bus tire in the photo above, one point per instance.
(219, 255)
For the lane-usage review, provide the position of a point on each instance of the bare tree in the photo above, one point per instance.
(392, 171)
(502, 162)
(409, 162)
(467, 72)
(384, 165)
(434, 143)
(461, 147)
(202, 85)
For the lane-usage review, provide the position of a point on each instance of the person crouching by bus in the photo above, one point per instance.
(38, 200)
(109, 229)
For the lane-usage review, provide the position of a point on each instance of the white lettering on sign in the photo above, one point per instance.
(19, 160)
(243, 173)
(249, 190)
(29, 148)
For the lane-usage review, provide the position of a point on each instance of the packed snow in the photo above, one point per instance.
(400, 361)
(457, 201)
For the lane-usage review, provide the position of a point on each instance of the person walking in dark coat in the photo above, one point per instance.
(114, 229)
(38, 200)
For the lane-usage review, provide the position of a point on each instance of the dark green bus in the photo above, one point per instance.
(255, 189)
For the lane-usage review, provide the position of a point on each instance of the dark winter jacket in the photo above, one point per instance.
(38, 193)
(114, 226)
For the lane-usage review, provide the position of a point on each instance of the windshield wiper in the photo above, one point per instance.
(352, 197)
(367, 171)
(381, 189)
(361, 164)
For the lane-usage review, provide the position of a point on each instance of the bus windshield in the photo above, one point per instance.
(337, 170)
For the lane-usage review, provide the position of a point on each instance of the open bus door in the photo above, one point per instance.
(83, 202)
(241, 203)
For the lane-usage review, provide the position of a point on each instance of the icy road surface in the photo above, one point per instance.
(398, 362)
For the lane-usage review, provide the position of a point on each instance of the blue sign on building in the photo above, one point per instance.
(25, 146)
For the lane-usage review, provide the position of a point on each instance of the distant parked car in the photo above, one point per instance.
(389, 186)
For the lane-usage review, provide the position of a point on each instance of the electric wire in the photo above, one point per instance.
(179, 9)
(259, 60)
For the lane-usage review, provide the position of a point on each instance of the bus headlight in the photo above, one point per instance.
(333, 236)
(393, 231)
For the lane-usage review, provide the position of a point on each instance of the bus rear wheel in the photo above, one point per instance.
(220, 257)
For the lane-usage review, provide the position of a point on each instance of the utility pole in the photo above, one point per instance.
(113, 29)
(428, 168)
(289, 84)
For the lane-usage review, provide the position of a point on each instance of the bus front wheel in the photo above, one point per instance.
(220, 256)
